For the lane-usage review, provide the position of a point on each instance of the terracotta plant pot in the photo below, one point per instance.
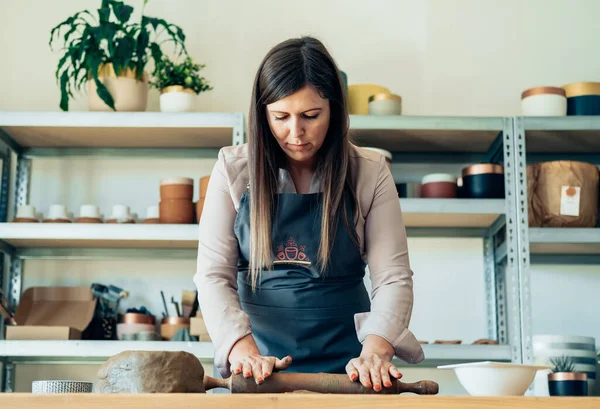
(177, 188)
(177, 98)
(176, 211)
(129, 93)
(170, 325)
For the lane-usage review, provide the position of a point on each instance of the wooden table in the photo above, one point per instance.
(286, 401)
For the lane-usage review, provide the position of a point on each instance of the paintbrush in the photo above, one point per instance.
(187, 302)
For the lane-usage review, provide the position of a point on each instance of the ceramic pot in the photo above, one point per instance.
(385, 104)
(130, 328)
(482, 181)
(170, 325)
(26, 214)
(439, 185)
(177, 188)
(358, 97)
(583, 98)
(176, 211)
(137, 318)
(152, 215)
(544, 101)
(568, 384)
(129, 93)
(121, 215)
(203, 186)
(89, 214)
(177, 98)
(57, 214)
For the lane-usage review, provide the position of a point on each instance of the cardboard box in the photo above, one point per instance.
(52, 313)
(198, 328)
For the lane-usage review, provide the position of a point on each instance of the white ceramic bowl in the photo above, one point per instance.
(495, 378)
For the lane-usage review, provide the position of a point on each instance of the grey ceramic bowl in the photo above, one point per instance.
(42, 387)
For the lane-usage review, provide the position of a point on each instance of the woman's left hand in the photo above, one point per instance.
(374, 367)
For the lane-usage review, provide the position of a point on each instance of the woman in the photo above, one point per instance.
(298, 212)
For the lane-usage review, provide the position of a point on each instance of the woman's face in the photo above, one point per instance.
(300, 122)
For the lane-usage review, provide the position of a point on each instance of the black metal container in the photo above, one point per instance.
(482, 181)
(568, 384)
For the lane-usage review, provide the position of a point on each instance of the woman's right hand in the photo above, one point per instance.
(245, 358)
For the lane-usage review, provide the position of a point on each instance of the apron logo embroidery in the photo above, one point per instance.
(291, 253)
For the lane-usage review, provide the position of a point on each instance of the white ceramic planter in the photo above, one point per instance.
(385, 104)
(177, 99)
(129, 94)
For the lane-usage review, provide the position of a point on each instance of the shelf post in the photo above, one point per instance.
(495, 292)
(522, 219)
(8, 376)
(238, 130)
(22, 182)
(509, 275)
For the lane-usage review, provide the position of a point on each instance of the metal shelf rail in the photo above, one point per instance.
(411, 139)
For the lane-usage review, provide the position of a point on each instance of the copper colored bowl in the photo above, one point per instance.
(135, 318)
(176, 320)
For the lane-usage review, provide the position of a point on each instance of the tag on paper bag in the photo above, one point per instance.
(569, 200)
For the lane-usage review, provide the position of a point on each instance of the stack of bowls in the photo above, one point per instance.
(582, 351)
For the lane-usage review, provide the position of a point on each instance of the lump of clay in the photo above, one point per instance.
(151, 372)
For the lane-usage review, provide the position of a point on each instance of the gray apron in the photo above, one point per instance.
(296, 310)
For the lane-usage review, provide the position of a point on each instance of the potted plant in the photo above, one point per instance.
(564, 381)
(109, 51)
(179, 84)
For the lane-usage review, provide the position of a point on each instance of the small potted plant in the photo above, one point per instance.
(564, 381)
(179, 84)
(109, 50)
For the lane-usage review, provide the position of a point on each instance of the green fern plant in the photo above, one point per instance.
(562, 364)
(109, 36)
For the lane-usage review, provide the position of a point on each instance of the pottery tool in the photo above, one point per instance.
(195, 306)
(187, 302)
(166, 313)
(176, 304)
(314, 382)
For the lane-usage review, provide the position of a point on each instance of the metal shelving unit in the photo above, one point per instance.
(540, 139)
(411, 139)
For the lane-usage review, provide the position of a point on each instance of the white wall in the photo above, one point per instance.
(445, 57)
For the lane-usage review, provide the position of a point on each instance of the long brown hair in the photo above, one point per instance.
(286, 68)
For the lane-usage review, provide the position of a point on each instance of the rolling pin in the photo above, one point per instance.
(314, 382)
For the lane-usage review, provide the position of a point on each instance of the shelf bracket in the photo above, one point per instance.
(238, 130)
(10, 143)
(495, 152)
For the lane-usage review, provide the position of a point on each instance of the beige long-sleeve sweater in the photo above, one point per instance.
(382, 235)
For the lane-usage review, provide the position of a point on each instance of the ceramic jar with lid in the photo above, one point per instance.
(439, 185)
(583, 98)
(385, 104)
(544, 101)
(151, 215)
(358, 97)
(176, 205)
(120, 215)
(26, 214)
(483, 181)
(89, 214)
(57, 214)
